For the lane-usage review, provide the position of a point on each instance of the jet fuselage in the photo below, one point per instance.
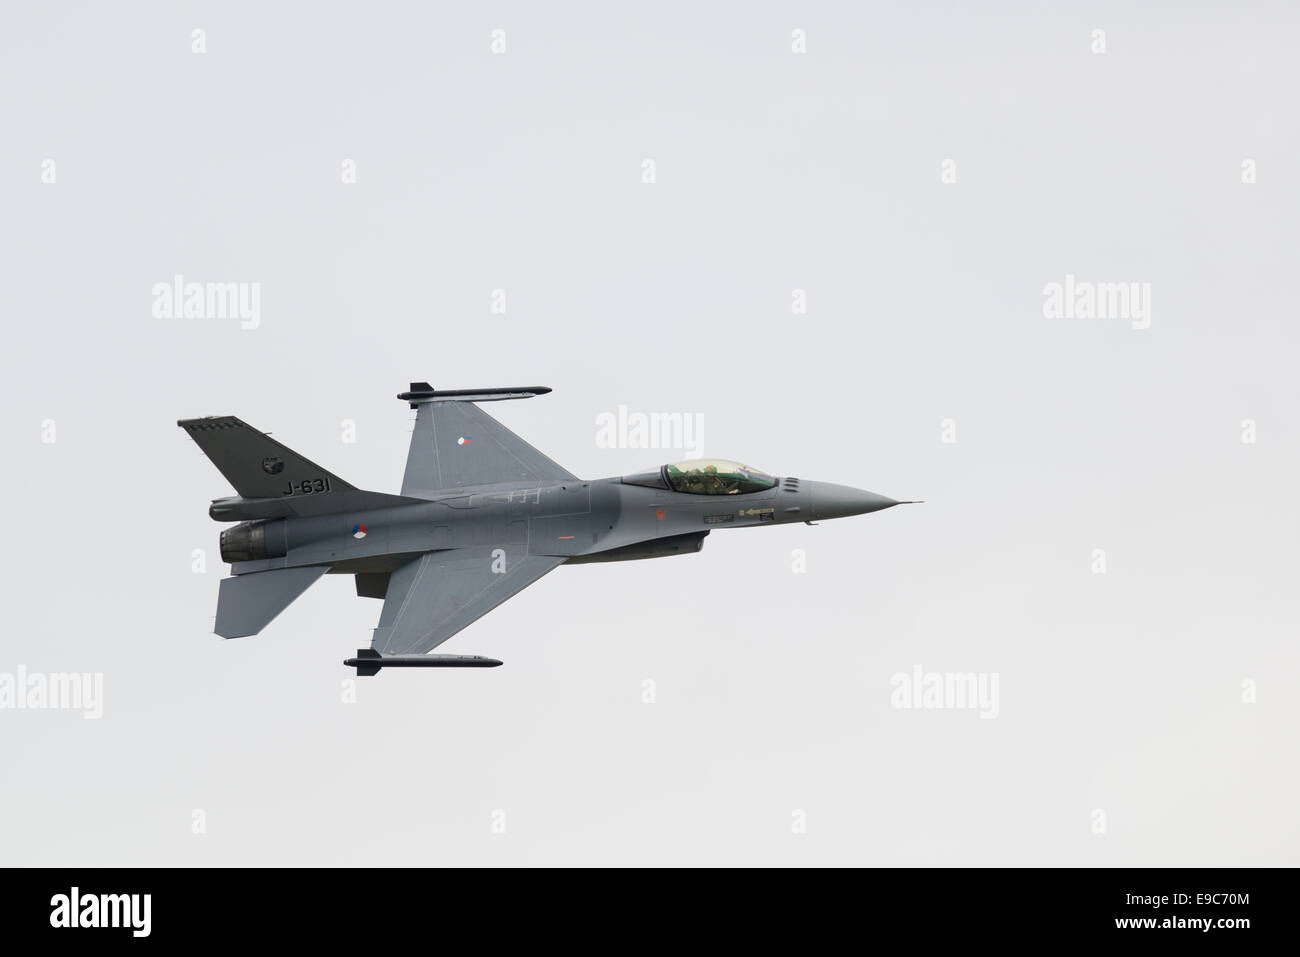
(599, 520)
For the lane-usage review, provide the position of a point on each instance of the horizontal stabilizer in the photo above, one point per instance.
(247, 603)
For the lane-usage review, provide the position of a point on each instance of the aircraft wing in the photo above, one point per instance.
(457, 444)
(432, 597)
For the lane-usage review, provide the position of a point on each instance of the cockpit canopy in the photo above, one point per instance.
(705, 477)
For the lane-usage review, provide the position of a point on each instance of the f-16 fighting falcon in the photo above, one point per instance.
(481, 516)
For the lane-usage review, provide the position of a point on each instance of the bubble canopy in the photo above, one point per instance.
(705, 477)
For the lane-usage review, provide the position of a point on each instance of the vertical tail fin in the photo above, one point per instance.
(257, 465)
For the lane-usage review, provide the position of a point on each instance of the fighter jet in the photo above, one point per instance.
(481, 516)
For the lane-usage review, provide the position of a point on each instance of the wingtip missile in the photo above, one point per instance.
(369, 662)
(423, 392)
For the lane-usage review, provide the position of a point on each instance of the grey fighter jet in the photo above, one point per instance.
(481, 516)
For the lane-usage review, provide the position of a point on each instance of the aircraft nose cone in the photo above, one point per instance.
(839, 501)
